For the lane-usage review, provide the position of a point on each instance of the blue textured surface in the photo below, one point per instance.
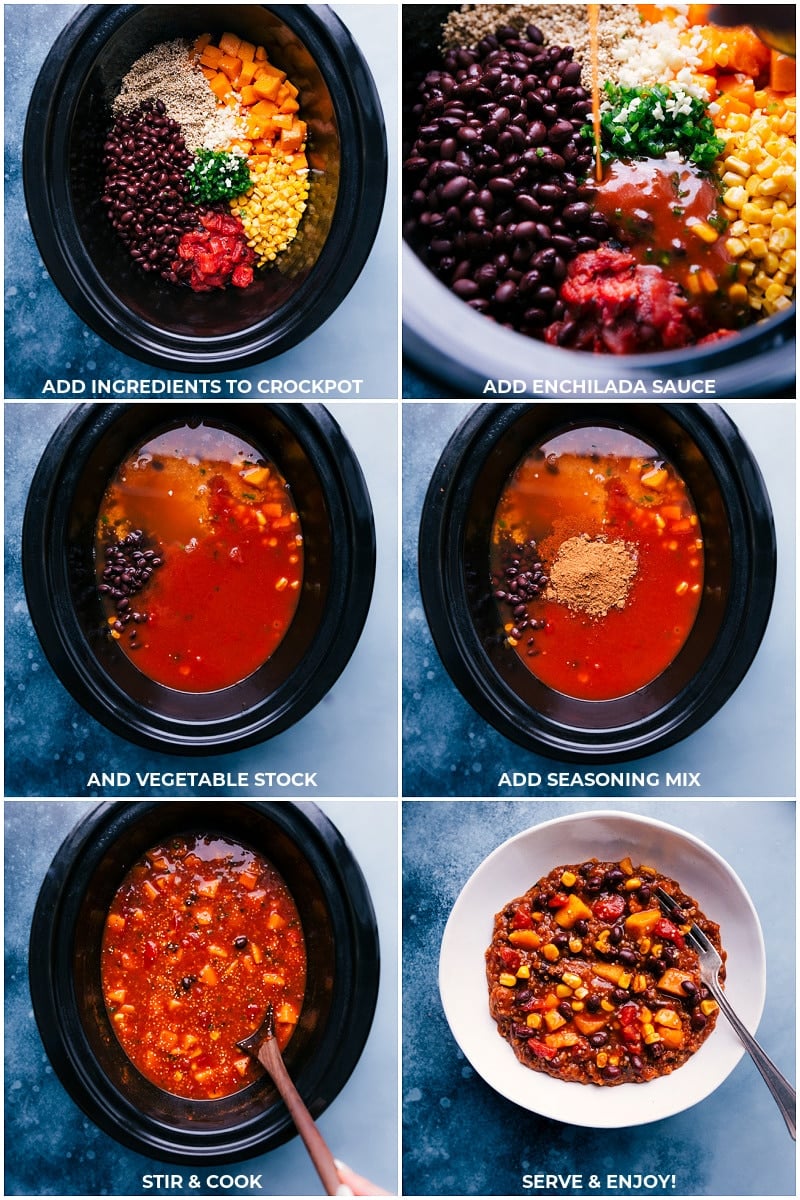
(460, 1138)
(349, 739)
(747, 749)
(359, 341)
(53, 1149)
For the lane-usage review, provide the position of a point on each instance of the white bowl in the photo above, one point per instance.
(509, 872)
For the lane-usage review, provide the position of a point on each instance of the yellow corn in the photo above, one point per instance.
(533, 1020)
(757, 172)
(704, 231)
(571, 979)
(568, 879)
(272, 208)
(524, 972)
(507, 980)
(550, 952)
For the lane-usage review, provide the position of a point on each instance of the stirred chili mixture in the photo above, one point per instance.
(591, 983)
(199, 557)
(596, 562)
(200, 936)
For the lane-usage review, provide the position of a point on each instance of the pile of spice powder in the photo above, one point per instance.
(593, 575)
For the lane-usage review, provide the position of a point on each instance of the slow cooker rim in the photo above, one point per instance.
(54, 997)
(425, 342)
(361, 195)
(334, 640)
(450, 621)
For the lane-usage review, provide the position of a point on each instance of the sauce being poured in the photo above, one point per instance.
(666, 214)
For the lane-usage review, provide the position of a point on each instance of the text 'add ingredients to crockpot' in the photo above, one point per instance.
(206, 175)
(199, 556)
(201, 935)
(611, 178)
(590, 983)
(596, 563)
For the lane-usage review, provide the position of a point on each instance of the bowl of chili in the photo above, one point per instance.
(597, 579)
(136, 310)
(512, 870)
(77, 951)
(249, 527)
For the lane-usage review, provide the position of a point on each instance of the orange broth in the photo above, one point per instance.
(201, 936)
(226, 536)
(603, 482)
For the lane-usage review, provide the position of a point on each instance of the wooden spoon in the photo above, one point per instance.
(263, 1046)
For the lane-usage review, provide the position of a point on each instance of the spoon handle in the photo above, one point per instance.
(270, 1058)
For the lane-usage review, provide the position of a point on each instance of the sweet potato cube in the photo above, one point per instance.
(200, 42)
(639, 924)
(249, 95)
(266, 68)
(291, 140)
(211, 56)
(613, 972)
(246, 51)
(247, 73)
(289, 105)
(229, 44)
(267, 86)
(527, 938)
(282, 120)
(220, 85)
(574, 910)
(561, 1039)
(261, 54)
(671, 1037)
(588, 1023)
(672, 981)
(231, 66)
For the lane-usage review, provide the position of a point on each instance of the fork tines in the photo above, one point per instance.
(695, 933)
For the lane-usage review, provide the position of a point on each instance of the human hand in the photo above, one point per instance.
(356, 1185)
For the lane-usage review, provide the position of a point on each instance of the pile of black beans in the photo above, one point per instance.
(145, 191)
(128, 567)
(523, 580)
(497, 200)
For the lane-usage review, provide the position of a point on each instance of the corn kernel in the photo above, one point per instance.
(606, 1006)
(562, 991)
(507, 980)
(707, 1007)
(601, 1059)
(524, 972)
(571, 979)
(577, 1005)
(550, 952)
(575, 945)
(533, 1020)
(704, 231)
(568, 879)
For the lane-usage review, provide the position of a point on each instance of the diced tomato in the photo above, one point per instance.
(609, 908)
(666, 929)
(628, 1014)
(150, 953)
(511, 958)
(558, 900)
(542, 1050)
(522, 920)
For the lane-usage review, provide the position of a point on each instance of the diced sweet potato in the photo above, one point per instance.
(639, 924)
(574, 910)
(561, 1038)
(672, 981)
(527, 938)
(613, 972)
(589, 1023)
(229, 43)
(267, 86)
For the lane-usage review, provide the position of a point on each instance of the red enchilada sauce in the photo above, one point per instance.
(199, 558)
(200, 936)
(619, 567)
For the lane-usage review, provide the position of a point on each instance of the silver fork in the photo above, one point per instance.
(710, 963)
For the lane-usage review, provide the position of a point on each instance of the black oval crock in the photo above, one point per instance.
(66, 988)
(174, 328)
(736, 521)
(331, 497)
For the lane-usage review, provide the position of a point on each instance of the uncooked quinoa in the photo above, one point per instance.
(562, 25)
(162, 74)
